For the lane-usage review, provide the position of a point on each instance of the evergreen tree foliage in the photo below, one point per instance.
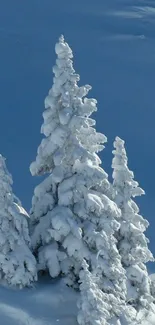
(97, 307)
(17, 264)
(132, 242)
(71, 218)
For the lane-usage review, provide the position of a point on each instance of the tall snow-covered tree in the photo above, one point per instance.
(17, 264)
(70, 218)
(132, 242)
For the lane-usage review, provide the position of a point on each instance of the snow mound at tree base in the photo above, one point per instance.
(48, 303)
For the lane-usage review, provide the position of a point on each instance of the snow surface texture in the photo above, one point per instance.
(132, 243)
(17, 264)
(71, 217)
(48, 303)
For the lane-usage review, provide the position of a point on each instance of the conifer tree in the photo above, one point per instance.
(93, 304)
(132, 242)
(98, 307)
(70, 218)
(17, 264)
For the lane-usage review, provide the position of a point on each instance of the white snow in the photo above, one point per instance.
(18, 209)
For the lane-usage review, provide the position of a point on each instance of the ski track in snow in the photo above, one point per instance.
(134, 12)
(125, 17)
(136, 18)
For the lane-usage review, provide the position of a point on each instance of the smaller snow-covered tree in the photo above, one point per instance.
(99, 308)
(132, 243)
(94, 308)
(17, 264)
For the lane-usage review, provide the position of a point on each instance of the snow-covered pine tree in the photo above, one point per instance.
(96, 307)
(132, 243)
(70, 219)
(17, 264)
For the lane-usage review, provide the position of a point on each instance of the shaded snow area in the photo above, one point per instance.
(48, 303)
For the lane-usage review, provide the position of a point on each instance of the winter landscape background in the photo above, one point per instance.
(114, 51)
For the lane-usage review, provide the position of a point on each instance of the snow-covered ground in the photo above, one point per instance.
(49, 303)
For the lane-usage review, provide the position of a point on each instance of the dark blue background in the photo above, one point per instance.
(114, 51)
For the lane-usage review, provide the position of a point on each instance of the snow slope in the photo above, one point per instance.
(49, 303)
